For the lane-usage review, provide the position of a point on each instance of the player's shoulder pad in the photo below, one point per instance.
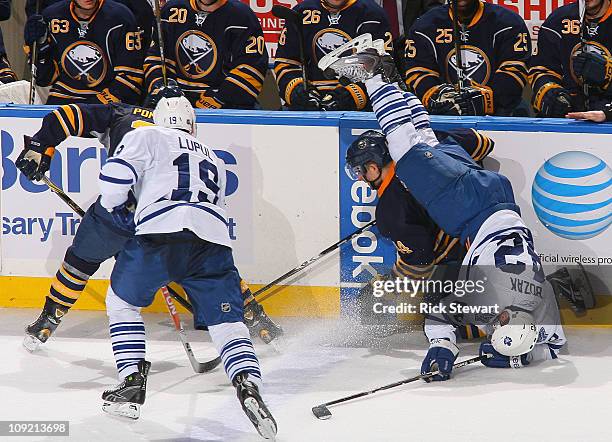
(165, 10)
(241, 12)
(117, 12)
(502, 16)
(308, 4)
(555, 18)
(57, 9)
(369, 7)
(432, 19)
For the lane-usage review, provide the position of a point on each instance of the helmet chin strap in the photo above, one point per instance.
(372, 183)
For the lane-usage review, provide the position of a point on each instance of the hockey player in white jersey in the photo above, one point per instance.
(474, 204)
(181, 235)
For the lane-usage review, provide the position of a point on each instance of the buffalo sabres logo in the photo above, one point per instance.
(590, 46)
(196, 54)
(476, 65)
(84, 61)
(327, 40)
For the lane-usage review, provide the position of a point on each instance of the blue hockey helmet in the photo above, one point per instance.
(369, 147)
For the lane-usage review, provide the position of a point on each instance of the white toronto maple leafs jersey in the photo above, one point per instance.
(503, 257)
(178, 181)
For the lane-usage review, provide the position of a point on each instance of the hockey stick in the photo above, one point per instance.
(312, 260)
(201, 367)
(160, 42)
(583, 48)
(457, 42)
(295, 19)
(198, 367)
(322, 412)
(33, 59)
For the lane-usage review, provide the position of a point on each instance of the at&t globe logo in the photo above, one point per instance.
(572, 195)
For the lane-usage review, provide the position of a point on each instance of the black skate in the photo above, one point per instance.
(40, 330)
(254, 407)
(127, 397)
(575, 289)
(260, 324)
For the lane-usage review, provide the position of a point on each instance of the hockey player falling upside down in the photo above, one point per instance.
(186, 241)
(476, 205)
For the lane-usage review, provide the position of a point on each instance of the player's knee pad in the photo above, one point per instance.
(119, 310)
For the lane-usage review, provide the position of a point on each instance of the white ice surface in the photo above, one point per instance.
(565, 400)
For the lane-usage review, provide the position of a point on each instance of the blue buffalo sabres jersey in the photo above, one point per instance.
(141, 9)
(109, 123)
(98, 60)
(220, 55)
(558, 43)
(323, 32)
(495, 49)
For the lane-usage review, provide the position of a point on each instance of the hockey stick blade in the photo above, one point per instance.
(285, 13)
(321, 412)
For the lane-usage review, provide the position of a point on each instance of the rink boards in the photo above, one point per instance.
(289, 199)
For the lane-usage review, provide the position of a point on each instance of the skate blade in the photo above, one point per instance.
(31, 343)
(122, 409)
(266, 427)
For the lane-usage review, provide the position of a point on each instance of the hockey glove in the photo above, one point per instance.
(345, 98)
(301, 99)
(123, 216)
(208, 102)
(444, 101)
(35, 30)
(34, 160)
(555, 103)
(476, 100)
(498, 360)
(595, 69)
(441, 356)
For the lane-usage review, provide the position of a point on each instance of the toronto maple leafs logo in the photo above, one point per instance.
(508, 341)
(84, 61)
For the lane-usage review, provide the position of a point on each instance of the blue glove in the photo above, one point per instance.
(123, 217)
(441, 356)
(498, 360)
(595, 69)
(35, 29)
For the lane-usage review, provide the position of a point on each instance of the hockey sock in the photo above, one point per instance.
(236, 349)
(70, 280)
(127, 332)
(394, 114)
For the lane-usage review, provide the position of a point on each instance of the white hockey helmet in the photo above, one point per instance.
(175, 113)
(516, 333)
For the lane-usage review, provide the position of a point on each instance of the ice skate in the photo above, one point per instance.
(126, 398)
(40, 330)
(254, 407)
